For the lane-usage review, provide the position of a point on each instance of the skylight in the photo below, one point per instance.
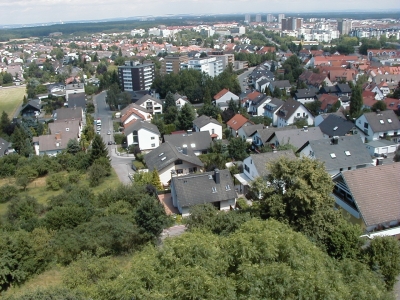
(193, 145)
(333, 155)
(381, 121)
(164, 158)
(347, 153)
(214, 189)
(161, 154)
(210, 177)
(228, 188)
(389, 120)
(335, 128)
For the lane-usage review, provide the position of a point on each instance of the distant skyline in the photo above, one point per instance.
(49, 11)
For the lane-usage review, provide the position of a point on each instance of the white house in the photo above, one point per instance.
(143, 134)
(151, 104)
(381, 147)
(180, 101)
(223, 97)
(292, 111)
(378, 125)
(270, 109)
(74, 89)
(205, 123)
(247, 131)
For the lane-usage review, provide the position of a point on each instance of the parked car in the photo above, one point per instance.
(109, 132)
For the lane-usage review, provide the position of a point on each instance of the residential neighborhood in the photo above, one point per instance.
(202, 134)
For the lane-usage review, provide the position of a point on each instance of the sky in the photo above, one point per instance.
(43, 11)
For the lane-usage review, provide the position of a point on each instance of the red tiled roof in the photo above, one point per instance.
(392, 103)
(129, 123)
(220, 94)
(327, 99)
(237, 121)
(368, 98)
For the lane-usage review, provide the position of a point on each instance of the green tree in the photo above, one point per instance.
(186, 117)
(171, 115)
(237, 148)
(356, 102)
(379, 105)
(169, 101)
(277, 93)
(73, 146)
(155, 181)
(383, 256)
(150, 217)
(98, 150)
(96, 174)
(4, 122)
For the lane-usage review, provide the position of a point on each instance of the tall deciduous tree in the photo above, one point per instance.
(237, 148)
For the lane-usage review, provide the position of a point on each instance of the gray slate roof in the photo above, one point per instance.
(343, 88)
(261, 160)
(377, 202)
(305, 93)
(33, 103)
(375, 121)
(195, 141)
(298, 137)
(154, 159)
(334, 125)
(141, 124)
(77, 100)
(196, 189)
(147, 97)
(281, 84)
(323, 149)
(274, 104)
(203, 120)
(249, 130)
(288, 108)
(266, 133)
(68, 113)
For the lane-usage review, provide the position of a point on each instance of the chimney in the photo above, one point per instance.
(305, 128)
(184, 149)
(189, 131)
(217, 177)
(335, 140)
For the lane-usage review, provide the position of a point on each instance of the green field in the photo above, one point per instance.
(11, 99)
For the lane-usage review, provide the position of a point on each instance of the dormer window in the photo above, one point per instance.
(214, 189)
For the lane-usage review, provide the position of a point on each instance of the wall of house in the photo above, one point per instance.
(228, 96)
(306, 100)
(165, 174)
(243, 135)
(50, 152)
(210, 126)
(381, 150)
(271, 115)
(227, 204)
(300, 112)
(252, 172)
(130, 118)
(148, 139)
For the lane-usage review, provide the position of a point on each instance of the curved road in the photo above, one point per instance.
(121, 164)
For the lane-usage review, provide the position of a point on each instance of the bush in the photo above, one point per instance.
(241, 203)
(119, 139)
(7, 192)
(97, 172)
(55, 182)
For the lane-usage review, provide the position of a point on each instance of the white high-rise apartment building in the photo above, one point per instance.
(280, 17)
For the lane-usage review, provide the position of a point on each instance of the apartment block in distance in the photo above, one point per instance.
(209, 65)
(172, 64)
(226, 59)
(344, 26)
(136, 77)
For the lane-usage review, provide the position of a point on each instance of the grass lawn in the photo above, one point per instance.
(38, 189)
(11, 99)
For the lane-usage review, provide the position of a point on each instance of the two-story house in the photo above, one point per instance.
(338, 153)
(151, 104)
(295, 137)
(380, 125)
(214, 187)
(247, 131)
(180, 101)
(170, 160)
(262, 136)
(205, 123)
(142, 134)
(223, 97)
(373, 204)
(292, 111)
(195, 142)
(236, 122)
(270, 109)
(305, 95)
(334, 125)
(283, 85)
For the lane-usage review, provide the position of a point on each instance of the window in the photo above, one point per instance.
(153, 145)
(389, 120)
(228, 188)
(298, 114)
(179, 171)
(247, 168)
(381, 121)
(214, 189)
(366, 125)
(152, 137)
(212, 131)
(341, 169)
(178, 162)
(349, 168)
(193, 170)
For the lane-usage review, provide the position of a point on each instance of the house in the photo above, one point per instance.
(143, 134)
(256, 106)
(283, 85)
(205, 123)
(180, 101)
(247, 131)
(343, 89)
(261, 84)
(31, 109)
(315, 80)
(305, 95)
(76, 100)
(73, 127)
(327, 102)
(262, 136)
(3, 147)
(335, 125)
(292, 111)
(169, 160)
(150, 104)
(381, 147)
(75, 113)
(372, 205)
(223, 97)
(380, 125)
(295, 137)
(270, 109)
(256, 165)
(133, 114)
(74, 88)
(194, 142)
(393, 104)
(236, 123)
(214, 187)
(248, 97)
(321, 117)
(338, 153)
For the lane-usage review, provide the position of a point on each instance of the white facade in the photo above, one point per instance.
(259, 109)
(301, 112)
(249, 169)
(212, 128)
(181, 102)
(209, 65)
(222, 102)
(182, 169)
(156, 106)
(376, 148)
(144, 138)
(362, 123)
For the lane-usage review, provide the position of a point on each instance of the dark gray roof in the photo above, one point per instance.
(259, 100)
(250, 129)
(263, 82)
(77, 100)
(266, 133)
(298, 137)
(198, 188)
(261, 160)
(141, 124)
(195, 141)
(274, 104)
(155, 158)
(3, 146)
(305, 93)
(203, 120)
(343, 88)
(379, 122)
(34, 104)
(288, 108)
(68, 113)
(144, 98)
(357, 152)
(281, 84)
(329, 89)
(334, 125)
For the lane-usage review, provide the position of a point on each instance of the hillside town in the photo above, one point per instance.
(279, 117)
